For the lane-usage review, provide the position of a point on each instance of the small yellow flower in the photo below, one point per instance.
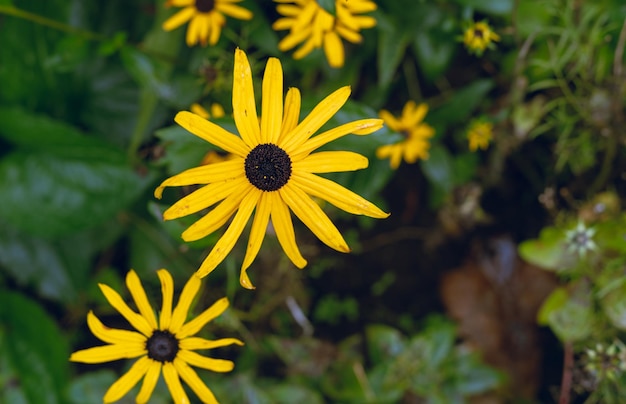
(480, 135)
(274, 171)
(478, 37)
(416, 134)
(314, 27)
(206, 18)
(217, 111)
(168, 345)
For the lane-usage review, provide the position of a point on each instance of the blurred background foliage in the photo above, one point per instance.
(433, 305)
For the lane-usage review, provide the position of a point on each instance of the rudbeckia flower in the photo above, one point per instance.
(479, 135)
(205, 17)
(168, 345)
(314, 27)
(416, 134)
(274, 170)
(478, 37)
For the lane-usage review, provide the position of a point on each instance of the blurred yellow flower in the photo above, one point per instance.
(478, 37)
(205, 17)
(274, 170)
(168, 345)
(314, 27)
(416, 134)
(480, 135)
(217, 111)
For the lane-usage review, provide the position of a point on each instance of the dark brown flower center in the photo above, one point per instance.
(162, 346)
(479, 33)
(204, 6)
(268, 167)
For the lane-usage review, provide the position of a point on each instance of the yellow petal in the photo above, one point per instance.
(390, 121)
(291, 114)
(360, 127)
(283, 226)
(416, 116)
(212, 133)
(333, 48)
(216, 172)
(257, 232)
(272, 101)
(282, 24)
(215, 23)
(203, 198)
(167, 291)
(293, 39)
(360, 7)
(331, 162)
(217, 111)
(128, 380)
(364, 22)
(141, 300)
(173, 384)
(194, 343)
(199, 361)
(226, 243)
(195, 325)
(337, 195)
(179, 18)
(199, 110)
(195, 30)
(234, 11)
(149, 382)
(197, 385)
(244, 107)
(313, 217)
(139, 322)
(184, 302)
(109, 353)
(318, 117)
(348, 34)
(112, 335)
(305, 49)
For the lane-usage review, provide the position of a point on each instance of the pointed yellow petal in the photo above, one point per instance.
(331, 162)
(337, 195)
(212, 173)
(313, 217)
(195, 325)
(194, 30)
(139, 322)
(291, 114)
(416, 116)
(197, 385)
(390, 120)
(282, 24)
(293, 39)
(364, 22)
(272, 104)
(333, 48)
(179, 18)
(360, 127)
(167, 291)
(199, 361)
(217, 217)
(184, 302)
(360, 7)
(305, 49)
(203, 198)
(318, 117)
(283, 226)
(244, 107)
(109, 353)
(173, 384)
(112, 335)
(194, 343)
(212, 133)
(234, 11)
(141, 300)
(226, 243)
(349, 35)
(128, 380)
(259, 227)
(215, 23)
(149, 382)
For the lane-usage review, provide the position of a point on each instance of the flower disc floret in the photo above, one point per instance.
(268, 167)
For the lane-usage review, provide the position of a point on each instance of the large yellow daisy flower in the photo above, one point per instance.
(206, 18)
(168, 345)
(274, 170)
(312, 26)
(416, 133)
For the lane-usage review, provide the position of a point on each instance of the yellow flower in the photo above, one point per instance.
(416, 134)
(478, 37)
(206, 18)
(273, 173)
(480, 135)
(217, 111)
(313, 26)
(168, 345)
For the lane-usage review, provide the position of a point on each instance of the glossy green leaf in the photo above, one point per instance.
(33, 349)
(568, 312)
(547, 252)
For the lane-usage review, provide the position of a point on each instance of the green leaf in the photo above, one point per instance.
(291, 393)
(439, 168)
(614, 305)
(568, 312)
(547, 252)
(434, 52)
(33, 349)
(383, 342)
(91, 387)
(392, 44)
(495, 7)
(460, 107)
